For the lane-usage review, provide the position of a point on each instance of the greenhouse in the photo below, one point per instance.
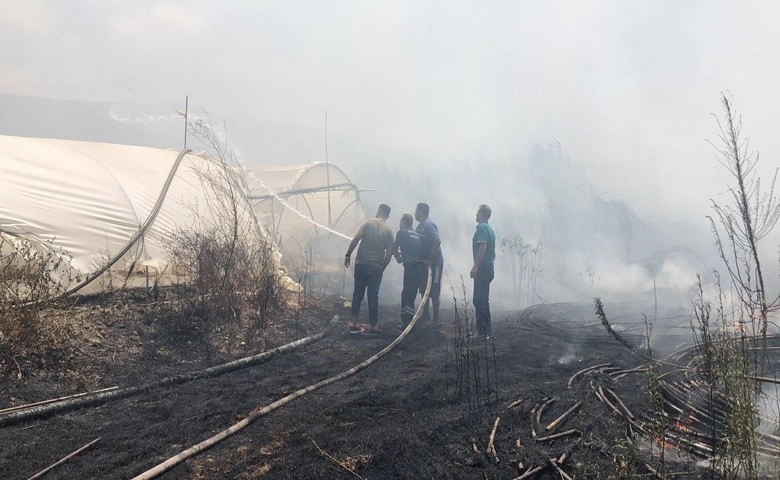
(113, 211)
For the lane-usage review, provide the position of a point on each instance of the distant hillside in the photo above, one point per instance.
(258, 142)
(90, 121)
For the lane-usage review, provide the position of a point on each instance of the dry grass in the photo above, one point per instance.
(32, 275)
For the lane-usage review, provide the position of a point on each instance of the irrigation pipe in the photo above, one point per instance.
(163, 467)
(586, 370)
(38, 410)
(544, 405)
(291, 208)
(767, 380)
(52, 400)
(149, 220)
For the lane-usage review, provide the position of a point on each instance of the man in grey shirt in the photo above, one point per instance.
(376, 241)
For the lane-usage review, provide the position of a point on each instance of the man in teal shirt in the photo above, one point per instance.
(483, 246)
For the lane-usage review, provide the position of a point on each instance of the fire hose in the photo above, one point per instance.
(48, 408)
(259, 412)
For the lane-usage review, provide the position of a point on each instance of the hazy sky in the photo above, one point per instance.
(627, 87)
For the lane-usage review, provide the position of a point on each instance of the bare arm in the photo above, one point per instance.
(352, 245)
(392, 248)
(388, 257)
(478, 259)
(397, 253)
(434, 250)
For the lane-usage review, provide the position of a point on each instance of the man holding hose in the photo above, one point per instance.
(376, 241)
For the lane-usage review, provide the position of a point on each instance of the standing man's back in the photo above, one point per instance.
(407, 250)
(377, 236)
(432, 254)
(374, 253)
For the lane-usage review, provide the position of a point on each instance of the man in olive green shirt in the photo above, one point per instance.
(376, 249)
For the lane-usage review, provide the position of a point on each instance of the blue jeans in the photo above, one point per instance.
(369, 278)
(481, 299)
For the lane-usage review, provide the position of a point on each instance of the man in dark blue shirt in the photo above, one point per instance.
(483, 247)
(407, 250)
(431, 250)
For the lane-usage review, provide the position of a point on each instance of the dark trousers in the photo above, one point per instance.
(369, 278)
(481, 299)
(413, 274)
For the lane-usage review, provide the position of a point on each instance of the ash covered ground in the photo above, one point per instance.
(427, 409)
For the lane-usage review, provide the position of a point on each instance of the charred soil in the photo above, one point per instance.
(425, 410)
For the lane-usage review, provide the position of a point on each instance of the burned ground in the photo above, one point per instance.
(413, 414)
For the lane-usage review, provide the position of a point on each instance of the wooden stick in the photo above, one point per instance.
(541, 409)
(491, 448)
(530, 473)
(515, 403)
(557, 435)
(560, 471)
(64, 459)
(620, 402)
(606, 400)
(560, 419)
(770, 436)
(640, 428)
(598, 395)
(336, 460)
(652, 470)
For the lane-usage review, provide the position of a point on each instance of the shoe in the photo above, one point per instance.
(374, 329)
(401, 326)
(480, 337)
(355, 329)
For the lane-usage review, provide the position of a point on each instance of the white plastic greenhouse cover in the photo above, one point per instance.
(93, 200)
(309, 209)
